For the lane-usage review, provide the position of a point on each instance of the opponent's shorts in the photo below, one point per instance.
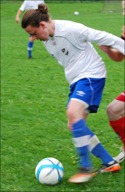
(121, 97)
(88, 90)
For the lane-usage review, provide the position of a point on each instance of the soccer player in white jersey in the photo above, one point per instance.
(26, 5)
(70, 43)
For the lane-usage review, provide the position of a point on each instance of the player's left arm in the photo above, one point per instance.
(112, 53)
(106, 39)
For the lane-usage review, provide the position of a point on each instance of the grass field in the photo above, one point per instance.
(33, 100)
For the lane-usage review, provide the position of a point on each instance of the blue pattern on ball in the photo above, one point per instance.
(53, 166)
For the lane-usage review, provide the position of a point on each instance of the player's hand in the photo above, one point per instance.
(32, 38)
(17, 19)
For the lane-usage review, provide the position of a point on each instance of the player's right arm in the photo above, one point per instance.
(18, 16)
(21, 9)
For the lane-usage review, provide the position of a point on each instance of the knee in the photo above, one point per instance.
(110, 110)
(73, 117)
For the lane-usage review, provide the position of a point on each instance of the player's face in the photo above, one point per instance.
(39, 33)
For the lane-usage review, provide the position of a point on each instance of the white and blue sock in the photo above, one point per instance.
(97, 149)
(81, 136)
(29, 48)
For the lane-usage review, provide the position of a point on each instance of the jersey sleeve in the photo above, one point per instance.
(23, 6)
(107, 39)
(82, 34)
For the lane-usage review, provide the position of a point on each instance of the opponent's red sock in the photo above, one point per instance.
(119, 127)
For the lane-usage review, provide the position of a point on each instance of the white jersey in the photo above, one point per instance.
(71, 46)
(30, 5)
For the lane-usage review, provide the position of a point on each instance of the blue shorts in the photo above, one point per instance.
(88, 90)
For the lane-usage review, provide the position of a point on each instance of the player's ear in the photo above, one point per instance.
(42, 24)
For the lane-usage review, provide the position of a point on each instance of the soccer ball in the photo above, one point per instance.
(49, 171)
(76, 13)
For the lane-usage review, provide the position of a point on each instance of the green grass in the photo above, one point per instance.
(33, 100)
